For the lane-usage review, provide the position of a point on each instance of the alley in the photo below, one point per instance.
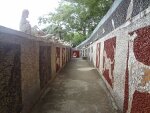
(78, 88)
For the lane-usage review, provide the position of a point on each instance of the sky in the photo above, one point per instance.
(11, 10)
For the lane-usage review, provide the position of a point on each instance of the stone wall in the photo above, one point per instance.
(122, 57)
(27, 65)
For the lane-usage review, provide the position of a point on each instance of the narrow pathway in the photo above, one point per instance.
(77, 89)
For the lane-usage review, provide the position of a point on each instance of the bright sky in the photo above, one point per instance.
(10, 11)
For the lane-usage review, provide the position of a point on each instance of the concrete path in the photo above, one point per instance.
(77, 89)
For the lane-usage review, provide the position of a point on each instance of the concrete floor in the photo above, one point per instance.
(77, 89)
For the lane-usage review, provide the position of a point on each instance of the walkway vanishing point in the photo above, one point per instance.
(78, 88)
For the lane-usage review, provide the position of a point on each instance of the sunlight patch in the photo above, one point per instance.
(86, 69)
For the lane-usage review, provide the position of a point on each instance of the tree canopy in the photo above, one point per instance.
(74, 20)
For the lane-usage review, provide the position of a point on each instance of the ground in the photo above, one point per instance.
(78, 88)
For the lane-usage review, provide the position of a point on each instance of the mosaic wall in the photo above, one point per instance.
(75, 54)
(124, 60)
(139, 77)
(57, 59)
(67, 54)
(10, 78)
(63, 56)
(98, 55)
(108, 59)
(27, 64)
(70, 53)
(45, 65)
(127, 9)
(91, 54)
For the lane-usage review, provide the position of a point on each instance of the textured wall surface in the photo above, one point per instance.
(63, 56)
(98, 54)
(67, 54)
(29, 72)
(139, 76)
(57, 59)
(53, 61)
(75, 54)
(124, 60)
(126, 10)
(45, 65)
(27, 64)
(108, 59)
(10, 78)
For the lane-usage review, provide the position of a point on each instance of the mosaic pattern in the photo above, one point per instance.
(98, 55)
(139, 5)
(119, 17)
(10, 78)
(57, 59)
(108, 59)
(63, 56)
(137, 91)
(75, 54)
(45, 65)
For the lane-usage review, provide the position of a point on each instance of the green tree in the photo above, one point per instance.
(75, 20)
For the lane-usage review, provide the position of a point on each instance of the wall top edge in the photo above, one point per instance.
(108, 14)
(13, 32)
(121, 13)
(23, 35)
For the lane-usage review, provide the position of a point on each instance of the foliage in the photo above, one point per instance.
(75, 19)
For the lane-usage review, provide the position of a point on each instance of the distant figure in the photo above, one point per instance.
(24, 23)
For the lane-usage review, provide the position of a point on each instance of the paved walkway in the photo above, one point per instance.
(77, 89)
